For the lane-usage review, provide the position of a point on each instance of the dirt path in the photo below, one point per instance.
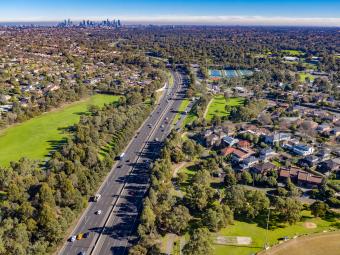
(318, 244)
(206, 109)
(178, 167)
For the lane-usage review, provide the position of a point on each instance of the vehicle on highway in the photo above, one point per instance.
(122, 155)
(73, 238)
(80, 236)
(97, 197)
(99, 212)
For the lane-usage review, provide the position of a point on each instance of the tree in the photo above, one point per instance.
(288, 209)
(199, 196)
(246, 177)
(217, 217)
(319, 209)
(177, 220)
(199, 243)
(138, 250)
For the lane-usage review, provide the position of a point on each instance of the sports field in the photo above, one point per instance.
(319, 244)
(258, 234)
(35, 138)
(218, 104)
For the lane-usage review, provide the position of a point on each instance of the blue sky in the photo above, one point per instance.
(185, 10)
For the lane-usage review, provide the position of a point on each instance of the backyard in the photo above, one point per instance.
(35, 138)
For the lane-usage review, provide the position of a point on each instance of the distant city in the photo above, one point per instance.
(115, 23)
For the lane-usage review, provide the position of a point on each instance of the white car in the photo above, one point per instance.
(99, 212)
(73, 238)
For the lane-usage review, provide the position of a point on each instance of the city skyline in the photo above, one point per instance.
(214, 12)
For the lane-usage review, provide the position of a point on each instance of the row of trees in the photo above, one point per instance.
(37, 204)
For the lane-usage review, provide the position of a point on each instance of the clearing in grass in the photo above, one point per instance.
(36, 137)
(218, 105)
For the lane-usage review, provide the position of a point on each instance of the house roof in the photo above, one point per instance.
(243, 143)
(263, 167)
(227, 151)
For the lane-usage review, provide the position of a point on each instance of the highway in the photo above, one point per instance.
(123, 190)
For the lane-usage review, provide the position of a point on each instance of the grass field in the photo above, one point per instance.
(35, 138)
(303, 77)
(218, 104)
(181, 110)
(293, 52)
(258, 234)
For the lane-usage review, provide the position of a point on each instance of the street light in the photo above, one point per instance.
(266, 244)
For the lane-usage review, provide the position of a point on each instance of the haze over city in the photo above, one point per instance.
(214, 12)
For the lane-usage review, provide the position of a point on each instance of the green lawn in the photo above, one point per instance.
(258, 234)
(35, 138)
(218, 104)
(293, 52)
(181, 110)
(303, 77)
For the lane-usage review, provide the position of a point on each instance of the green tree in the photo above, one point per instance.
(319, 209)
(200, 243)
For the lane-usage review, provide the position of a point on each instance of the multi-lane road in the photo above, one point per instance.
(122, 192)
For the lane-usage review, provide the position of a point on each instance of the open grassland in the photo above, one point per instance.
(35, 138)
(258, 234)
(218, 104)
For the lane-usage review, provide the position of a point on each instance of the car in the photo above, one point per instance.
(86, 234)
(156, 139)
(162, 126)
(128, 160)
(73, 238)
(82, 253)
(80, 236)
(99, 212)
(120, 166)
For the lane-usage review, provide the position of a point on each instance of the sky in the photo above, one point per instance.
(236, 12)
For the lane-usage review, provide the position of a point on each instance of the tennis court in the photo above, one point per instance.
(215, 73)
(231, 73)
(245, 72)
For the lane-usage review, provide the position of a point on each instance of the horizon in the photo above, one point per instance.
(213, 12)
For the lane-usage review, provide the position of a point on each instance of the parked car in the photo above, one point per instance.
(99, 212)
(73, 238)
(80, 236)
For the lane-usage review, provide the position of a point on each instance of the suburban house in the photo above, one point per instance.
(229, 141)
(262, 168)
(248, 162)
(213, 137)
(278, 137)
(329, 166)
(267, 153)
(309, 160)
(300, 177)
(243, 144)
(300, 149)
(241, 154)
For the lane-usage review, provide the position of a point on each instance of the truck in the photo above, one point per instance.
(96, 197)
